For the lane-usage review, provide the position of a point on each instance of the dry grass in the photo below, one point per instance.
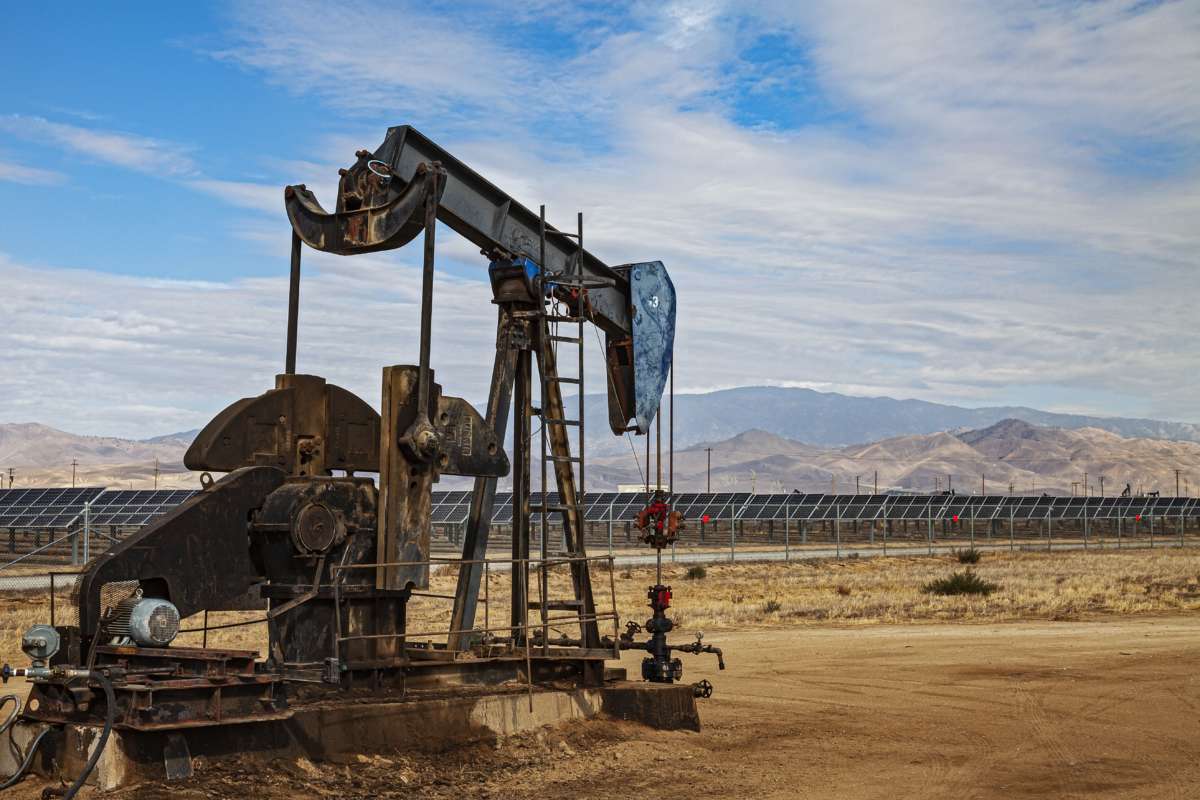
(1031, 586)
(1065, 585)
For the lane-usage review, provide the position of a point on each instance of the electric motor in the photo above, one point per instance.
(148, 621)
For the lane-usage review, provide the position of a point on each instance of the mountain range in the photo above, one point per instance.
(761, 438)
(838, 420)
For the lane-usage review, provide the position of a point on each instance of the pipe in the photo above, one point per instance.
(110, 701)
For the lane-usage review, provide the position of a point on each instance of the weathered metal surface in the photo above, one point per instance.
(373, 213)
(378, 200)
(168, 689)
(511, 334)
(405, 486)
(195, 555)
(303, 426)
(479, 211)
(652, 296)
(564, 477)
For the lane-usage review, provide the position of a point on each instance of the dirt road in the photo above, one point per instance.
(1104, 709)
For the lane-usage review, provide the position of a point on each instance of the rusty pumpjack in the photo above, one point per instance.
(296, 522)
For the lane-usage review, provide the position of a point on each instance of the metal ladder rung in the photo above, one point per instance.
(568, 339)
(562, 380)
(572, 459)
(560, 318)
(552, 421)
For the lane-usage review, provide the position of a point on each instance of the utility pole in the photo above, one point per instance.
(1085, 485)
(982, 483)
(858, 486)
(74, 464)
(1177, 471)
(876, 482)
(156, 473)
(1012, 488)
(709, 483)
(949, 483)
(10, 477)
(1102, 486)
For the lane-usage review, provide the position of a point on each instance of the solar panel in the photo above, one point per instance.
(44, 508)
(63, 507)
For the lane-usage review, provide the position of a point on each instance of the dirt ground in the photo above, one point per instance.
(1108, 708)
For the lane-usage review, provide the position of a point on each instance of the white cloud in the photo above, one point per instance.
(257, 196)
(974, 234)
(92, 351)
(140, 153)
(32, 176)
(973, 244)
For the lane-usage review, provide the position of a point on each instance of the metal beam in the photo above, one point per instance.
(484, 214)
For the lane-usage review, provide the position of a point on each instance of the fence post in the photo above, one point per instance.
(1049, 531)
(887, 523)
(610, 522)
(837, 529)
(787, 531)
(1120, 520)
(732, 535)
(87, 532)
(929, 521)
(1011, 532)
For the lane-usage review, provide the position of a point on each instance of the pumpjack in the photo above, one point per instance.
(298, 526)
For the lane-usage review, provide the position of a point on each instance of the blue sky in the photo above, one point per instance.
(968, 202)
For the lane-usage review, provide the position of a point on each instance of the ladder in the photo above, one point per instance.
(561, 332)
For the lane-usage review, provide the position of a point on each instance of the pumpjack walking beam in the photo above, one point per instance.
(377, 209)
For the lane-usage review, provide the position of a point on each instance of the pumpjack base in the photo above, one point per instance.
(424, 721)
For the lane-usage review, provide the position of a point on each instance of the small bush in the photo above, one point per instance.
(844, 591)
(965, 582)
(771, 606)
(968, 555)
(696, 573)
(627, 574)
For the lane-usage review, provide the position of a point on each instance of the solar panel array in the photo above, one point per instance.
(453, 507)
(135, 506)
(44, 508)
(63, 508)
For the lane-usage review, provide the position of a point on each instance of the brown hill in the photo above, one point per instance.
(1029, 458)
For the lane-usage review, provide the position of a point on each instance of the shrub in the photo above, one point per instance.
(968, 555)
(771, 606)
(965, 582)
(627, 574)
(844, 591)
(696, 573)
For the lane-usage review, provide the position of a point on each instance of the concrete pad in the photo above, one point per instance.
(339, 726)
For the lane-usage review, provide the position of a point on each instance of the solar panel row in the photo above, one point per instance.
(61, 508)
(453, 507)
(44, 508)
(64, 508)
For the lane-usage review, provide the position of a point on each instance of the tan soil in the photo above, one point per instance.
(1097, 709)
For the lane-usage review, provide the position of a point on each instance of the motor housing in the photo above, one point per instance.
(147, 621)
